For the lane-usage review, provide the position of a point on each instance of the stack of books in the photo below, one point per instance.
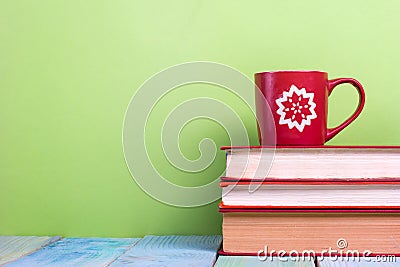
(327, 200)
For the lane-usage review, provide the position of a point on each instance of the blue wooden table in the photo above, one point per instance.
(148, 251)
(176, 251)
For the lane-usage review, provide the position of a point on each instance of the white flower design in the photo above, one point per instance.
(296, 108)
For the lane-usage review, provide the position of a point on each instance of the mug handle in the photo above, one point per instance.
(330, 133)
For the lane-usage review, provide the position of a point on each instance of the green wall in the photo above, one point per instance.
(68, 70)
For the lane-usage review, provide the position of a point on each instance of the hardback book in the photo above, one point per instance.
(312, 194)
(320, 162)
(270, 231)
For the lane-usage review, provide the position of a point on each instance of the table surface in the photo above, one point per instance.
(153, 251)
(147, 251)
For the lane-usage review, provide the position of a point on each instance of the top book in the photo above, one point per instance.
(322, 162)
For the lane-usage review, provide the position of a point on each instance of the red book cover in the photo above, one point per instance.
(311, 147)
(271, 180)
(311, 209)
(247, 230)
(225, 181)
(291, 163)
(319, 195)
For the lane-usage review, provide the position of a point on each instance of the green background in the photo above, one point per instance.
(68, 70)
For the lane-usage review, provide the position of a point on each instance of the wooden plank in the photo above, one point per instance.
(375, 261)
(253, 261)
(176, 251)
(14, 247)
(78, 252)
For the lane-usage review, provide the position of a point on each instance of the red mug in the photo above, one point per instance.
(298, 103)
